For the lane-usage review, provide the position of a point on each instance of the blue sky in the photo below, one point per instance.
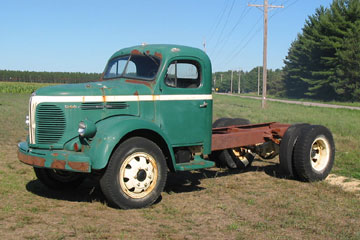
(80, 36)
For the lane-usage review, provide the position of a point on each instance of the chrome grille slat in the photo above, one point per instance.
(50, 124)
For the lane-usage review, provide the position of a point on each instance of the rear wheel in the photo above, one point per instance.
(232, 158)
(287, 145)
(59, 179)
(314, 154)
(136, 174)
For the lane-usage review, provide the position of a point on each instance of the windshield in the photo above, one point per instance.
(133, 66)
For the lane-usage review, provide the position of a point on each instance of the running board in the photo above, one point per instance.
(197, 163)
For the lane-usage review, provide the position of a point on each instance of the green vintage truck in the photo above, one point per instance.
(150, 113)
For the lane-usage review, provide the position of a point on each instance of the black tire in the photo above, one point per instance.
(59, 179)
(287, 145)
(314, 154)
(136, 174)
(225, 122)
(221, 122)
(227, 158)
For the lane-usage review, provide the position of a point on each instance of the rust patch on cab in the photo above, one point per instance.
(79, 166)
(146, 83)
(58, 164)
(31, 160)
(136, 52)
(159, 55)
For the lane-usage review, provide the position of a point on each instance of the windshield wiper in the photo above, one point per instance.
(152, 58)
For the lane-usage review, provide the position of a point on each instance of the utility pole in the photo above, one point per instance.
(221, 77)
(258, 80)
(239, 81)
(231, 81)
(215, 81)
(266, 6)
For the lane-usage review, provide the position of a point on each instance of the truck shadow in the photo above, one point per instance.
(180, 182)
(88, 191)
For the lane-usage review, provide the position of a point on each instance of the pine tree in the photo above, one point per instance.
(323, 61)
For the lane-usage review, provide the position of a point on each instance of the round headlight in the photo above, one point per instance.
(87, 129)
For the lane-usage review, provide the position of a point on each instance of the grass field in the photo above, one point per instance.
(206, 204)
(20, 87)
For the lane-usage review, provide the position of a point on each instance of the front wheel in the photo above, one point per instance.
(135, 175)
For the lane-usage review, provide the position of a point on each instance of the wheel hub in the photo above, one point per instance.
(320, 154)
(138, 175)
(141, 175)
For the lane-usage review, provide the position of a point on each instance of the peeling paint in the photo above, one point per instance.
(136, 52)
(146, 83)
(79, 166)
(58, 164)
(31, 160)
(159, 55)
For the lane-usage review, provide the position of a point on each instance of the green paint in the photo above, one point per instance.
(179, 123)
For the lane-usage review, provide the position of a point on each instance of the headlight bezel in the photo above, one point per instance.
(87, 129)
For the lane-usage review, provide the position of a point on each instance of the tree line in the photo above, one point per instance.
(47, 77)
(249, 81)
(324, 60)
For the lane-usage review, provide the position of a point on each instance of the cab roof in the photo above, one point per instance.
(163, 51)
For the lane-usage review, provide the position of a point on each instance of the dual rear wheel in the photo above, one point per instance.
(307, 152)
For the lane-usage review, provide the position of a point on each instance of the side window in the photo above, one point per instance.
(183, 74)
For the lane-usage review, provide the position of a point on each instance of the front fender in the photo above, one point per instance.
(111, 131)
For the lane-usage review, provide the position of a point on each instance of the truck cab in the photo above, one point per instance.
(157, 93)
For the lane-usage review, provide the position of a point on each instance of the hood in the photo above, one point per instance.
(103, 88)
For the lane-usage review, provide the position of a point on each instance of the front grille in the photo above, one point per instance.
(50, 124)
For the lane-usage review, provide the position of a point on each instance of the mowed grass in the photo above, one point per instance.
(206, 204)
(343, 123)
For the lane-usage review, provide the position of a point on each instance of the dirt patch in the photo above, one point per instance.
(347, 184)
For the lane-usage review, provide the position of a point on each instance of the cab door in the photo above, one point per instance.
(185, 107)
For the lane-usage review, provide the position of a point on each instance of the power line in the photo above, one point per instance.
(241, 46)
(226, 21)
(287, 7)
(212, 31)
(265, 7)
(242, 16)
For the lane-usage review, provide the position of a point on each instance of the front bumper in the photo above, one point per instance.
(55, 159)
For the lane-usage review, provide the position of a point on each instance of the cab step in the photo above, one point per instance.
(197, 163)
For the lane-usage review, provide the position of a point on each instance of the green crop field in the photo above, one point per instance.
(20, 87)
(205, 204)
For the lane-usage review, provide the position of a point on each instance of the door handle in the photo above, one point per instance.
(204, 105)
